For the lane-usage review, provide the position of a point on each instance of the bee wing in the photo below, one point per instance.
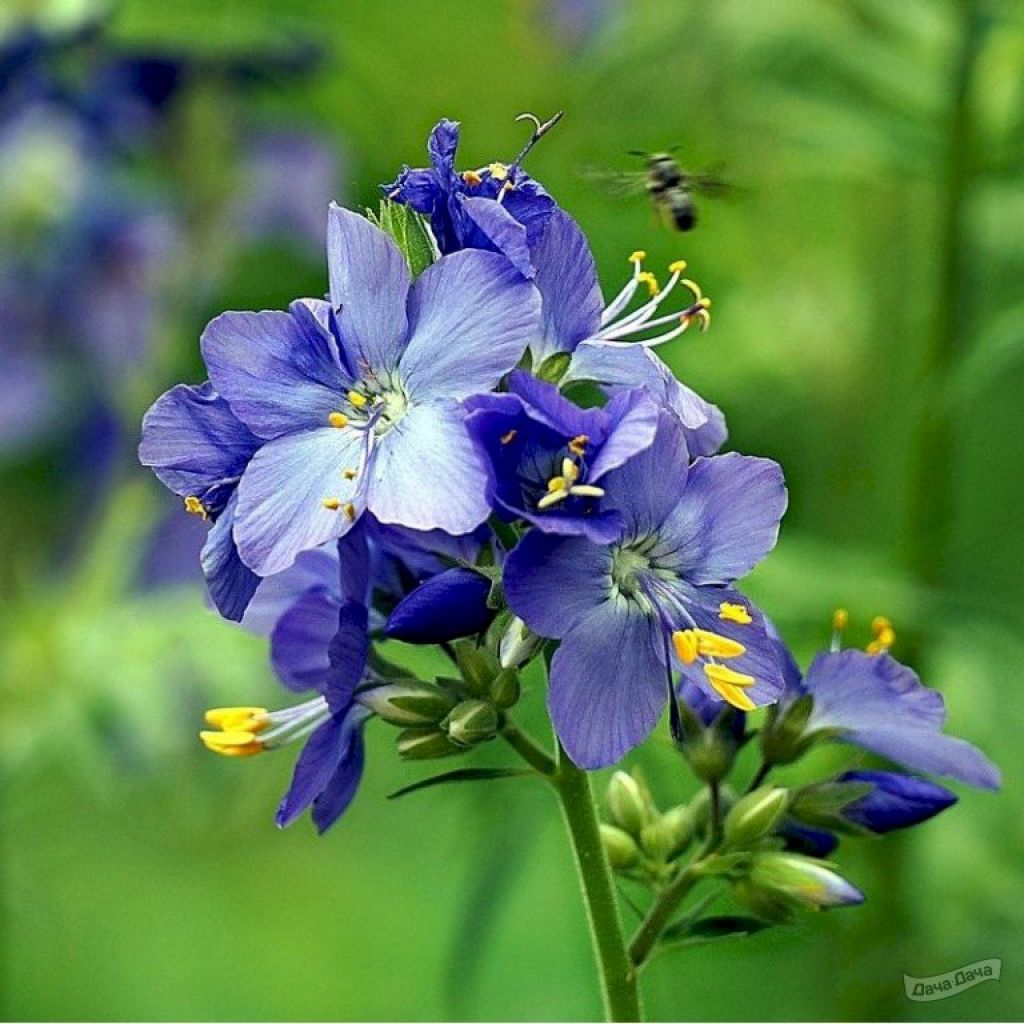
(620, 183)
(710, 185)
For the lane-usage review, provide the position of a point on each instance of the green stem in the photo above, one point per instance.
(618, 975)
(527, 749)
(661, 912)
(762, 774)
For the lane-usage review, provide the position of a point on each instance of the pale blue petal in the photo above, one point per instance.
(300, 640)
(634, 420)
(502, 230)
(230, 582)
(312, 570)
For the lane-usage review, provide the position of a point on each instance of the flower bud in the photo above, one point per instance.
(783, 738)
(656, 841)
(477, 665)
(518, 644)
(755, 816)
(422, 744)
(680, 823)
(629, 803)
(471, 722)
(503, 690)
(619, 847)
(408, 703)
(779, 883)
(553, 368)
(710, 754)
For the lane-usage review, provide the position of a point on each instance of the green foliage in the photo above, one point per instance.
(409, 231)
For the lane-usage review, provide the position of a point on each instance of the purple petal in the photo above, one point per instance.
(447, 606)
(471, 315)
(230, 582)
(427, 474)
(545, 404)
(281, 496)
(312, 570)
(442, 144)
(300, 640)
(567, 280)
(895, 801)
(728, 518)
(314, 768)
(608, 685)
(501, 230)
(354, 563)
(277, 376)
(552, 582)
(369, 284)
(634, 422)
(347, 651)
(329, 806)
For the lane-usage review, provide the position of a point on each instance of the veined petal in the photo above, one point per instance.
(566, 277)
(634, 421)
(230, 582)
(427, 474)
(347, 653)
(552, 582)
(314, 768)
(471, 315)
(281, 496)
(312, 570)
(500, 230)
(339, 792)
(369, 281)
(607, 684)
(277, 376)
(728, 518)
(300, 640)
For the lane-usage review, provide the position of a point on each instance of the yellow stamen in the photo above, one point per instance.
(578, 445)
(733, 695)
(552, 498)
(734, 613)
(509, 437)
(556, 483)
(694, 287)
(685, 643)
(357, 399)
(331, 504)
(650, 280)
(348, 474)
(586, 491)
(471, 178)
(337, 419)
(194, 507)
(498, 171)
(637, 257)
(350, 511)
(717, 646)
(237, 743)
(570, 470)
(879, 624)
(677, 267)
(840, 618)
(230, 719)
(729, 676)
(885, 635)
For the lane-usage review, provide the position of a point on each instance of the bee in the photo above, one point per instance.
(671, 188)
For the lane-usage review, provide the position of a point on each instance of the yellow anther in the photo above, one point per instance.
(358, 399)
(637, 257)
(194, 507)
(350, 511)
(578, 445)
(685, 643)
(840, 618)
(729, 676)
(235, 743)
(509, 437)
(650, 280)
(586, 491)
(230, 719)
(570, 470)
(677, 267)
(498, 171)
(348, 474)
(885, 635)
(704, 302)
(737, 613)
(733, 695)
(879, 624)
(337, 419)
(471, 178)
(556, 483)
(507, 186)
(331, 504)
(717, 646)
(693, 287)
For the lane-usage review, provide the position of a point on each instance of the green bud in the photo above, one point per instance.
(504, 688)
(779, 883)
(822, 805)
(783, 738)
(408, 703)
(619, 847)
(755, 816)
(471, 722)
(710, 754)
(518, 644)
(681, 825)
(629, 802)
(553, 368)
(656, 841)
(422, 744)
(477, 665)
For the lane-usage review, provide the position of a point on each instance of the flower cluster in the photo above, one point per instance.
(485, 454)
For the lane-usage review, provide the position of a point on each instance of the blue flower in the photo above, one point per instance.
(895, 800)
(447, 606)
(199, 450)
(874, 702)
(609, 344)
(357, 401)
(548, 456)
(619, 609)
(498, 207)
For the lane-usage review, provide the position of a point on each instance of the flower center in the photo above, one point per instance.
(628, 563)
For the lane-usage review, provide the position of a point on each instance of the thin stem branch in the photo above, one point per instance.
(618, 975)
(528, 749)
(762, 774)
(661, 912)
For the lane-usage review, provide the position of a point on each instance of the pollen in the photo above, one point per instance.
(348, 474)
(235, 731)
(717, 646)
(885, 635)
(556, 483)
(194, 507)
(509, 437)
(840, 618)
(350, 511)
(230, 719)
(647, 278)
(729, 676)
(331, 504)
(677, 267)
(236, 743)
(733, 695)
(737, 613)
(471, 178)
(498, 171)
(637, 257)
(337, 419)
(685, 643)
(578, 445)
(357, 399)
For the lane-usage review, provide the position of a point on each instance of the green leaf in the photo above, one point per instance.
(712, 929)
(460, 775)
(409, 231)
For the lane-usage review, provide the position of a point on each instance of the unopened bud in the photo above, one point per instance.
(471, 722)
(681, 825)
(755, 815)
(784, 738)
(408, 703)
(504, 688)
(553, 368)
(518, 644)
(656, 841)
(629, 804)
(477, 665)
(800, 881)
(621, 850)
(423, 744)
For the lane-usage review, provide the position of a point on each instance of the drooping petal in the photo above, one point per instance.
(354, 563)
(728, 518)
(427, 474)
(567, 281)
(501, 231)
(633, 419)
(545, 404)
(447, 606)
(311, 570)
(276, 376)
(300, 640)
(471, 315)
(369, 282)
(347, 653)
(282, 492)
(895, 801)
(314, 768)
(442, 145)
(553, 582)
(608, 684)
(339, 792)
(230, 581)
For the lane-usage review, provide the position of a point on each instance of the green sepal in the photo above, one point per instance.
(409, 232)
(477, 665)
(822, 803)
(461, 775)
(711, 929)
(553, 368)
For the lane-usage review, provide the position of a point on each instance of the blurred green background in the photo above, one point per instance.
(161, 162)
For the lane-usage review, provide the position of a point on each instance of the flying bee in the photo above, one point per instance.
(671, 188)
